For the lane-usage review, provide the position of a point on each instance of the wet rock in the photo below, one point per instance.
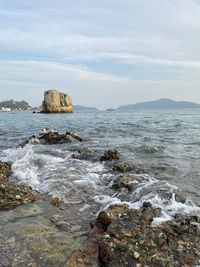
(86, 256)
(124, 167)
(130, 240)
(55, 201)
(106, 217)
(111, 154)
(60, 221)
(143, 170)
(5, 169)
(12, 194)
(85, 154)
(131, 235)
(105, 251)
(52, 137)
(29, 238)
(123, 181)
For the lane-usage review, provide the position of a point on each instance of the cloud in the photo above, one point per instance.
(29, 79)
(101, 46)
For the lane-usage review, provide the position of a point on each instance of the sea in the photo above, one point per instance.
(165, 143)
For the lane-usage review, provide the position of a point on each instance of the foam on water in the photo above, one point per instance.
(28, 165)
(51, 169)
(145, 192)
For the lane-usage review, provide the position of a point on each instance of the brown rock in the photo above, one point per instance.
(56, 201)
(104, 218)
(52, 137)
(123, 181)
(12, 194)
(56, 102)
(105, 252)
(124, 166)
(110, 155)
(130, 240)
(5, 169)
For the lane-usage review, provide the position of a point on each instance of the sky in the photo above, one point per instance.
(103, 53)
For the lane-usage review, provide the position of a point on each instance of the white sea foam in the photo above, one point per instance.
(85, 207)
(75, 181)
(145, 193)
(28, 165)
(173, 207)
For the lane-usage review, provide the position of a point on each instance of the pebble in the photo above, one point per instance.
(136, 255)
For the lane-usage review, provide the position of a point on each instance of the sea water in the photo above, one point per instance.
(165, 142)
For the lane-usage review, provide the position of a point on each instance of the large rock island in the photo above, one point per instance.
(56, 102)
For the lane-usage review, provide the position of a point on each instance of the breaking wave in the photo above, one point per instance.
(89, 184)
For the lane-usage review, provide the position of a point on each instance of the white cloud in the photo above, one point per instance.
(96, 41)
(30, 79)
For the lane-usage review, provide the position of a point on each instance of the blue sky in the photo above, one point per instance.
(103, 53)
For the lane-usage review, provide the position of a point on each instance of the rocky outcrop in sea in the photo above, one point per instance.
(47, 136)
(56, 102)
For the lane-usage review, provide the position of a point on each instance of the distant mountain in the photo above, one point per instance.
(78, 108)
(13, 105)
(163, 103)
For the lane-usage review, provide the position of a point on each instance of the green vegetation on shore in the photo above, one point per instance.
(15, 105)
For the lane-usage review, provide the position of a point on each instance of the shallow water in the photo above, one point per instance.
(166, 142)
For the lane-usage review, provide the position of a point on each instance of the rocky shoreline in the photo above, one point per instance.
(125, 237)
(119, 236)
(11, 193)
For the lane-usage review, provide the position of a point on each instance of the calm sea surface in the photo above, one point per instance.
(166, 142)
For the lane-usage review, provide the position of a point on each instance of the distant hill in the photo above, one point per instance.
(19, 105)
(78, 108)
(163, 103)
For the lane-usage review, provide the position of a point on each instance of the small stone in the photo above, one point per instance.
(136, 255)
(104, 218)
(106, 236)
(55, 201)
(17, 197)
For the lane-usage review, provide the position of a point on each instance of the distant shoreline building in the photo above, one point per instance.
(5, 109)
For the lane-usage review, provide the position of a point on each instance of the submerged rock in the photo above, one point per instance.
(124, 167)
(128, 239)
(56, 102)
(52, 137)
(111, 154)
(123, 181)
(85, 153)
(29, 238)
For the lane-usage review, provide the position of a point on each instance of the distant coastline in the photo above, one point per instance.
(163, 103)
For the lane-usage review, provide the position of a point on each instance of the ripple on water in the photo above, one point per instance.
(51, 168)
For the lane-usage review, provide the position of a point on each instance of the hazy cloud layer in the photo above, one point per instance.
(103, 53)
